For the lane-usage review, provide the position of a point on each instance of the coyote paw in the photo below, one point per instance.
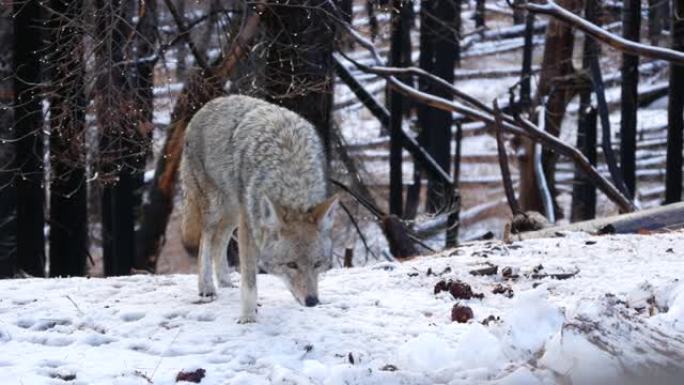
(247, 319)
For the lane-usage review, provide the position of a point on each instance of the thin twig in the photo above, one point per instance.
(358, 230)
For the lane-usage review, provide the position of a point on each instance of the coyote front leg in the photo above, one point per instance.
(248, 271)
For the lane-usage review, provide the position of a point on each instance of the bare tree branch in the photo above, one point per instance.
(552, 9)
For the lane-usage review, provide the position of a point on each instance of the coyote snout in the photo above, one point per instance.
(261, 168)
(297, 246)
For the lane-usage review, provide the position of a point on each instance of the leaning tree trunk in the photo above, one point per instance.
(304, 84)
(556, 83)
(28, 125)
(68, 203)
(673, 179)
(8, 203)
(631, 23)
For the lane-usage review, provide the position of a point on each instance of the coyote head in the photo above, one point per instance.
(297, 246)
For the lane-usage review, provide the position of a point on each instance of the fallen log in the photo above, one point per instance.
(669, 217)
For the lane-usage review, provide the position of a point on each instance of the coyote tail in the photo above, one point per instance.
(191, 226)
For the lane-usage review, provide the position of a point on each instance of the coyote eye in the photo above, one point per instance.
(317, 265)
(292, 265)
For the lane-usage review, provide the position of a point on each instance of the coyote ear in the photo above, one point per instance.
(271, 213)
(323, 213)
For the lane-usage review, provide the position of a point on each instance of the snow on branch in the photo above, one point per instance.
(550, 8)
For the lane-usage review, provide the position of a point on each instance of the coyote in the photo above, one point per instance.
(261, 168)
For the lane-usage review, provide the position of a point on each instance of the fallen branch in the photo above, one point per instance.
(485, 114)
(550, 8)
(669, 217)
(599, 89)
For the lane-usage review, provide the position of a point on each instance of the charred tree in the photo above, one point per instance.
(675, 110)
(68, 204)
(28, 124)
(8, 203)
(439, 42)
(631, 23)
(400, 12)
(526, 73)
(118, 138)
(583, 191)
(181, 49)
(143, 83)
(298, 73)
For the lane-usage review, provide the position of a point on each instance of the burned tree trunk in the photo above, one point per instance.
(399, 15)
(181, 49)
(631, 23)
(119, 141)
(675, 110)
(439, 59)
(143, 83)
(68, 203)
(583, 191)
(29, 150)
(304, 84)
(526, 73)
(8, 202)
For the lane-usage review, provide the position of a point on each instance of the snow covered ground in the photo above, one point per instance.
(380, 324)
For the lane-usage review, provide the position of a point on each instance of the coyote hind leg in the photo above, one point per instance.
(222, 237)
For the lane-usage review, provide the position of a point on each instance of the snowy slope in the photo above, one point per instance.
(380, 324)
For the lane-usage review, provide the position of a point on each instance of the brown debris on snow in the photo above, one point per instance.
(195, 376)
(461, 314)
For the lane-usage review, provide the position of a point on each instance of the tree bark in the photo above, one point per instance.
(8, 202)
(304, 84)
(181, 49)
(675, 110)
(631, 24)
(396, 103)
(144, 99)
(583, 192)
(440, 60)
(119, 141)
(28, 124)
(68, 204)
